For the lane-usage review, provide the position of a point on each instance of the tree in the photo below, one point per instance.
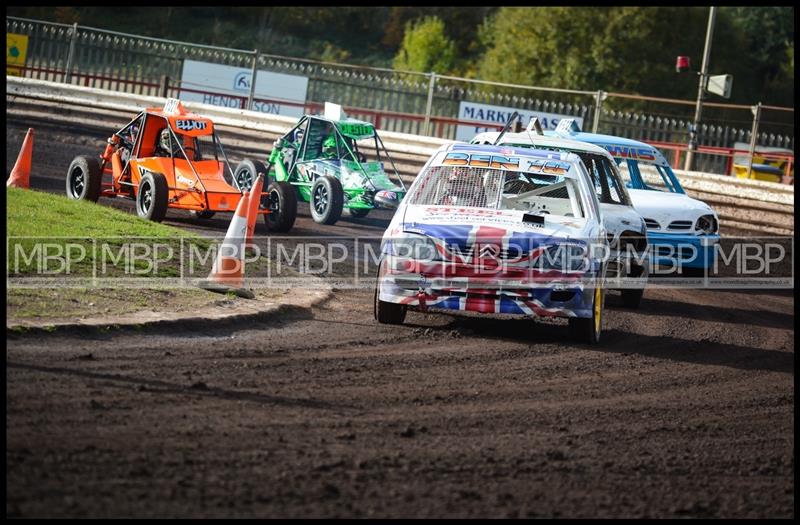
(426, 48)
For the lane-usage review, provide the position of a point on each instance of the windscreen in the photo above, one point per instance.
(498, 189)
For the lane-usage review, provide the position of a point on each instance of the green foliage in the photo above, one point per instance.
(426, 48)
(632, 49)
(629, 49)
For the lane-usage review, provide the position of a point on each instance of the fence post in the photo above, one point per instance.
(429, 105)
(164, 86)
(71, 54)
(253, 73)
(598, 109)
(753, 137)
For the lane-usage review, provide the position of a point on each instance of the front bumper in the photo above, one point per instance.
(682, 250)
(464, 288)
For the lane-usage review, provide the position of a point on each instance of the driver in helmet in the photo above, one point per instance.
(163, 144)
(329, 150)
(464, 188)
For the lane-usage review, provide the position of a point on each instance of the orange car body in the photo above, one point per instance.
(195, 183)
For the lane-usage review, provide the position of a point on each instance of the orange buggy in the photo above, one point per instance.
(173, 159)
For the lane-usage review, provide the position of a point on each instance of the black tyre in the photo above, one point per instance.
(247, 171)
(588, 330)
(693, 272)
(203, 214)
(388, 313)
(632, 298)
(327, 200)
(282, 203)
(358, 213)
(151, 199)
(84, 178)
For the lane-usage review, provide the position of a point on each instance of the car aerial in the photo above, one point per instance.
(169, 158)
(497, 230)
(334, 162)
(626, 230)
(682, 231)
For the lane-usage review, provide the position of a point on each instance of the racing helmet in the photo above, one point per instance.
(329, 147)
(163, 140)
(465, 187)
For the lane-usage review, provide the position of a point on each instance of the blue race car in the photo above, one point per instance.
(682, 231)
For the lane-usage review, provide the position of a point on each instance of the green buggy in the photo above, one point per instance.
(334, 163)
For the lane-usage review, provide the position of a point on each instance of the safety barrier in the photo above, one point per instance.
(750, 204)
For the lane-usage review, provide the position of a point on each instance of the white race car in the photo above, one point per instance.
(625, 226)
(497, 230)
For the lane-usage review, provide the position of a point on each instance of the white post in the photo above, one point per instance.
(700, 92)
(753, 137)
(598, 109)
(429, 106)
(253, 73)
(71, 54)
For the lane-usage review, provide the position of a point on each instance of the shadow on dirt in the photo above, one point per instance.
(703, 351)
(199, 389)
(726, 314)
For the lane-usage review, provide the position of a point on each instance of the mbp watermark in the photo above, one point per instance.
(353, 262)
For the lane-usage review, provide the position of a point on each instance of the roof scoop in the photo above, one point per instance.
(334, 111)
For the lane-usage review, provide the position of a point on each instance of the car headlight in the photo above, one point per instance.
(564, 257)
(707, 224)
(409, 246)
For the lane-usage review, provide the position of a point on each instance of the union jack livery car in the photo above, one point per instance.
(497, 230)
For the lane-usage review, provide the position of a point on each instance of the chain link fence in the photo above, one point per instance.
(408, 102)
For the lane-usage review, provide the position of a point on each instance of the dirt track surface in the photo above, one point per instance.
(686, 409)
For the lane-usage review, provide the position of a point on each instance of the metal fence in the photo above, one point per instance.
(409, 102)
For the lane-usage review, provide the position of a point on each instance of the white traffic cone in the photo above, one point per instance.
(227, 274)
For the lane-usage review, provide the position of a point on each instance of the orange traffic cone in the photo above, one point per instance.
(227, 274)
(21, 174)
(252, 212)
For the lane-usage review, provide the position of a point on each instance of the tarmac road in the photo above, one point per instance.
(686, 409)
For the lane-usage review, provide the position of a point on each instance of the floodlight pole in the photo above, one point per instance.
(700, 91)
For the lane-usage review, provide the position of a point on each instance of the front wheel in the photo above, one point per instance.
(282, 205)
(388, 313)
(84, 178)
(587, 330)
(327, 200)
(151, 200)
(693, 272)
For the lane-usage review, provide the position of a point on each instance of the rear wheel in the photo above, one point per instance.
(282, 204)
(84, 178)
(246, 173)
(151, 200)
(327, 200)
(587, 330)
(358, 213)
(202, 214)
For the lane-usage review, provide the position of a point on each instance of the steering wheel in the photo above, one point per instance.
(517, 186)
